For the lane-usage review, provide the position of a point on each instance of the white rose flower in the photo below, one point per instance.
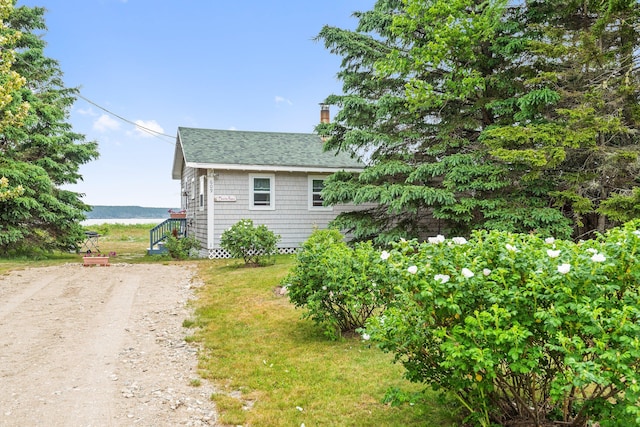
(385, 255)
(553, 254)
(467, 273)
(442, 278)
(435, 240)
(598, 258)
(564, 268)
(413, 269)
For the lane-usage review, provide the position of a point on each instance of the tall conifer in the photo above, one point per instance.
(519, 117)
(42, 153)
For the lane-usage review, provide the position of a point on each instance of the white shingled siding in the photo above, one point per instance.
(200, 212)
(291, 219)
(196, 216)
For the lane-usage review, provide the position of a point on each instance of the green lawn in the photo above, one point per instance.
(282, 370)
(129, 242)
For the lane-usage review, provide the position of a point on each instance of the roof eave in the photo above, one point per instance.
(273, 168)
(178, 159)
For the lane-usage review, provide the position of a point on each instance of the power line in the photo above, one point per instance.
(144, 129)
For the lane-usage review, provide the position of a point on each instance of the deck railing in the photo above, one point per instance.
(160, 232)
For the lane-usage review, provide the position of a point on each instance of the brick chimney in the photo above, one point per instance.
(324, 113)
(324, 117)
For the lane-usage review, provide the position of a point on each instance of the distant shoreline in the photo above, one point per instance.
(125, 221)
(142, 215)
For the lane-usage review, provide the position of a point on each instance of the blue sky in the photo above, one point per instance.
(243, 65)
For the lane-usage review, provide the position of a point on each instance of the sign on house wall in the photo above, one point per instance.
(222, 198)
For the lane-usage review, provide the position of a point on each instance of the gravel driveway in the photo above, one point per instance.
(99, 346)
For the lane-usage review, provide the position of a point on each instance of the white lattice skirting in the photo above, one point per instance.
(218, 253)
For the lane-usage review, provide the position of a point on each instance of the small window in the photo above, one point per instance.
(262, 193)
(316, 185)
(201, 192)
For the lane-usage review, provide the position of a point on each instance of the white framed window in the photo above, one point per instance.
(201, 193)
(316, 184)
(262, 192)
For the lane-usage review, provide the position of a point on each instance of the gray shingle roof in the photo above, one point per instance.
(272, 149)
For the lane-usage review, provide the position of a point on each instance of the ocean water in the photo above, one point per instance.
(126, 221)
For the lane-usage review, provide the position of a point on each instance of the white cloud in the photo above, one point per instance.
(143, 128)
(105, 123)
(280, 100)
(88, 112)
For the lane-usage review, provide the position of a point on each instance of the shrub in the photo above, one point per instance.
(520, 328)
(335, 284)
(253, 244)
(181, 247)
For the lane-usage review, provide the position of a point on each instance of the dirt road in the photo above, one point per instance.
(99, 346)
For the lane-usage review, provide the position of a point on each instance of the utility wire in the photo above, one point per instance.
(144, 129)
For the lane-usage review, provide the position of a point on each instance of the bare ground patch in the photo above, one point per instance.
(99, 346)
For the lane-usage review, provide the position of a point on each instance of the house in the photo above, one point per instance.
(272, 178)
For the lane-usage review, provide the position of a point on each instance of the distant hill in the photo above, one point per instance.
(122, 212)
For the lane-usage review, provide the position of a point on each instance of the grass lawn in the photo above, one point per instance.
(129, 242)
(275, 369)
(8, 264)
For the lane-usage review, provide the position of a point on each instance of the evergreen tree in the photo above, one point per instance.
(43, 153)
(374, 122)
(578, 116)
(454, 104)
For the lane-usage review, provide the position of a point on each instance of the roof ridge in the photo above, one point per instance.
(249, 131)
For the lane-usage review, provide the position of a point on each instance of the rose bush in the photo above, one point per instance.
(336, 284)
(254, 244)
(519, 328)
(181, 248)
